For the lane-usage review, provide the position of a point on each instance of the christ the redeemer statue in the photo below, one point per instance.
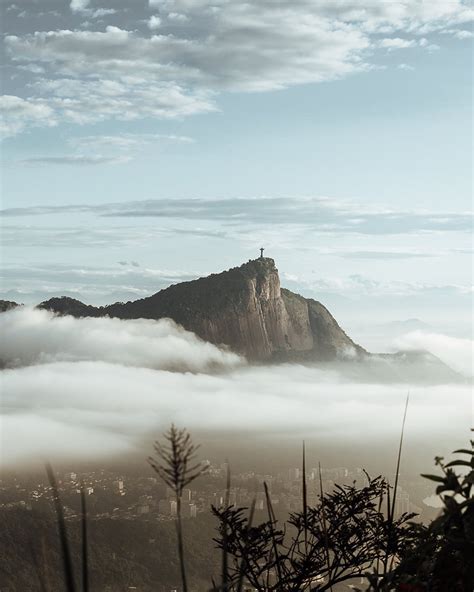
(261, 252)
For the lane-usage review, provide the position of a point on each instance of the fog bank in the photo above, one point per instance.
(99, 388)
(32, 336)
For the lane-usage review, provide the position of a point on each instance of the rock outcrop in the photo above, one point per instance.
(244, 309)
(7, 305)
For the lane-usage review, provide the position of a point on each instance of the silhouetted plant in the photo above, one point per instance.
(175, 463)
(320, 546)
(62, 530)
(352, 532)
(65, 546)
(440, 556)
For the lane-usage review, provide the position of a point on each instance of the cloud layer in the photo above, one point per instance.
(99, 387)
(32, 336)
(320, 213)
(173, 60)
(457, 353)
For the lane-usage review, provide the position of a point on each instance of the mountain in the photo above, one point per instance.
(7, 305)
(244, 309)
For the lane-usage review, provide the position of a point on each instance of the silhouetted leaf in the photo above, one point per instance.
(459, 463)
(436, 478)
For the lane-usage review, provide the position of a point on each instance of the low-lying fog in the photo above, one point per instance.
(94, 389)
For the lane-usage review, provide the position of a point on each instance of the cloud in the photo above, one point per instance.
(105, 409)
(73, 160)
(82, 7)
(130, 143)
(319, 213)
(79, 5)
(105, 149)
(463, 34)
(126, 99)
(229, 56)
(132, 263)
(397, 43)
(371, 286)
(18, 114)
(92, 388)
(177, 16)
(457, 353)
(32, 336)
(154, 22)
(382, 255)
(99, 285)
(406, 67)
(199, 49)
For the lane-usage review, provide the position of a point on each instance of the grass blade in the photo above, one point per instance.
(225, 554)
(271, 519)
(305, 502)
(399, 457)
(63, 538)
(325, 529)
(85, 556)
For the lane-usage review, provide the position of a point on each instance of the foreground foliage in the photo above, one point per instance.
(351, 537)
(352, 533)
(319, 547)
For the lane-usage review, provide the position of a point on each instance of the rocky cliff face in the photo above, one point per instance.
(244, 309)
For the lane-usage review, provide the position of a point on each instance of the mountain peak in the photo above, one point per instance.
(243, 309)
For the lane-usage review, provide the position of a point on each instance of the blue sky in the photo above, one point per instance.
(338, 135)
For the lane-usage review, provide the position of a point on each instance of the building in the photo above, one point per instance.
(402, 502)
(167, 507)
(189, 510)
(294, 474)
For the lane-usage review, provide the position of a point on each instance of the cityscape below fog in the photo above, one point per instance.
(118, 496)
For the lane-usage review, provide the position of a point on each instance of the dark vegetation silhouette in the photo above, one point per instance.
(350, 536)
(175, 465)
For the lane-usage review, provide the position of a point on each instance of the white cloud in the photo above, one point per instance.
(82, 7)
(18, 114)
(91, 388)
(100, 150)
(204, 48)
(125, 99)
(406, 67)
(323, 214)
(177, 16)
(463, 34)
(229, 59)
(73, 160)
(104, 409)
(79, 5)
(32, 336)
(457, 353)
(154, 22)
(127, 141)
(397, 43)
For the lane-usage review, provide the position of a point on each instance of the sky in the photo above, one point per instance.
(147, 143)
